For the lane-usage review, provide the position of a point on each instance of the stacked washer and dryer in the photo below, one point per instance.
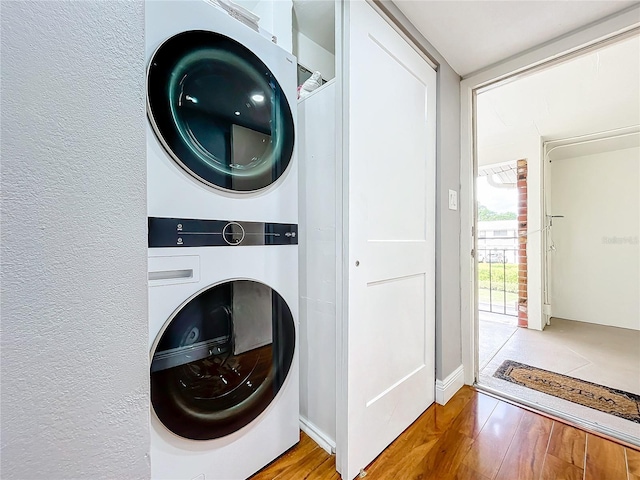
(223, 256)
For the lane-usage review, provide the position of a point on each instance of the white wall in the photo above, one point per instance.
(316, 151)
(276, 17)
(595, 274)
(75, 396)
(535, 226)
(313, 56)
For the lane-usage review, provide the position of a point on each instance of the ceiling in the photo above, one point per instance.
(506, 174)
(590, 94)
(472, 35)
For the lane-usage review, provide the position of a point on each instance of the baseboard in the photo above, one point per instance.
(318, 436)
(447, 388)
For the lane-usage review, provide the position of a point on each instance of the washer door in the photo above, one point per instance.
(219, 112)
(221, 359)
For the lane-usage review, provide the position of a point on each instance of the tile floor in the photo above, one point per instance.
(605, 355)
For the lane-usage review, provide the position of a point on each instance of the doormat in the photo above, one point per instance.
(609, 400)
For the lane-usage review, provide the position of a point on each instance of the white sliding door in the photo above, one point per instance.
(390, 128)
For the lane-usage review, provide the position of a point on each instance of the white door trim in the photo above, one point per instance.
(540, 57)
(342, 226)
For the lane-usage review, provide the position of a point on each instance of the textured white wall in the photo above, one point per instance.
(74, 296)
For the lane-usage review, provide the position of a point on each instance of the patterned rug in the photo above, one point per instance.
(609, 400)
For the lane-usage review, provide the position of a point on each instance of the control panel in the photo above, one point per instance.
(179, 232)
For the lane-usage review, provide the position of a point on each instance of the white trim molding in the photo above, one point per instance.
(447, 388)
(318, 436)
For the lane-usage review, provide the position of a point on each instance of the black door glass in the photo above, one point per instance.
(222, 359)
(219, 112)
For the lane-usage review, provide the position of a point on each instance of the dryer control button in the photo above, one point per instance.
(233, 233)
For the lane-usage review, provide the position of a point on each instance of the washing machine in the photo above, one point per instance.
(223, 312)
(221, 101)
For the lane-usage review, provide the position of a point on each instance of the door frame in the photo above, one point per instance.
(592, 37)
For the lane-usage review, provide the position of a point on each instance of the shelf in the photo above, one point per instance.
(318, 90)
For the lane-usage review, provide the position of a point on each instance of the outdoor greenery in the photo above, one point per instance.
(484, 214)
(497, 298)
(498, 273)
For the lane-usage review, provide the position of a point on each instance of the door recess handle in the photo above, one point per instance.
(171, 274)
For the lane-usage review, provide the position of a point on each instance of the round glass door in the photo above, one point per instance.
(221, 359)
(219, 112)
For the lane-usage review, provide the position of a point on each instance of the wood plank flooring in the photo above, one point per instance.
(475, 437)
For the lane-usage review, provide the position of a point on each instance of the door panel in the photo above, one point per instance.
(401, 166)
(408, 258)
(396, 318)
(390, 344)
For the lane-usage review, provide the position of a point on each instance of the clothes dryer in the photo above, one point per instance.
(221, 117)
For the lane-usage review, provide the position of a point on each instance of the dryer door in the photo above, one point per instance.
(221, 359)
(219, 112)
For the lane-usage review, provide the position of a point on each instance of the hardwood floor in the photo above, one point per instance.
(475, 437)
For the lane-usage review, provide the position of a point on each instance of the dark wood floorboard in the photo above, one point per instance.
(605, 459)
(568, 444)
(558, 469)
(633, 463)
(525, 458)
(475, 437)
(492, 443)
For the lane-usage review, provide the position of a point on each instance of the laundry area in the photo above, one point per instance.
(235, 234)
(244, 269)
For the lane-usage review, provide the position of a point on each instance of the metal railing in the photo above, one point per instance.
(502, 296)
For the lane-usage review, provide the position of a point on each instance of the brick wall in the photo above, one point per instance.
(523, 319)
